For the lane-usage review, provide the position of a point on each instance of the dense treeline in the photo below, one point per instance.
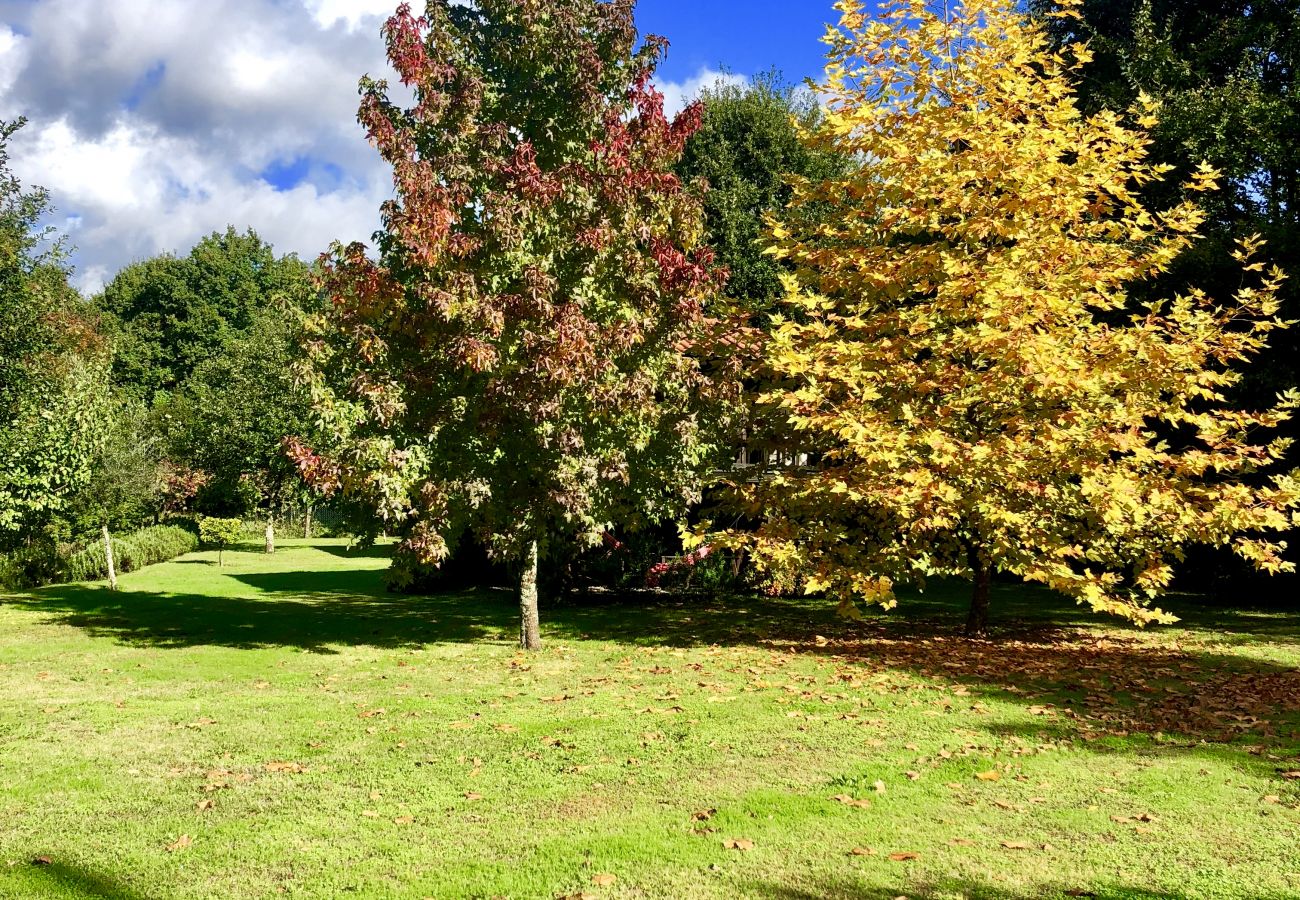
(850, 337)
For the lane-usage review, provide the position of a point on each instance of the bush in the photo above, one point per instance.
(220, 533)
(32, 566)
(130, 552)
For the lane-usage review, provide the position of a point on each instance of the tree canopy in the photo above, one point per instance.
(521, 359)
(964, 358)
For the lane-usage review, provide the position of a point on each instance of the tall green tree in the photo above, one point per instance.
(521, 361)
(53, 384)
(748, 149)
(173, 313)
(230, 418)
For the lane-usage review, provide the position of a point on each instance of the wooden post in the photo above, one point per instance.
(108, 558)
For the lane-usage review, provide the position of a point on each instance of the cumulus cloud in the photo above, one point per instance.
(153, 122)
(677, 94)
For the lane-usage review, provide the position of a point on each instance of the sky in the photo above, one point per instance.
(155, 122)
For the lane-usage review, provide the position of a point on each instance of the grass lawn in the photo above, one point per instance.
(281, 726)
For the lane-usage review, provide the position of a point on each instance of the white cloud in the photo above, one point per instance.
(154, 122)
(353, 14)
(151, 121)
(678, 94)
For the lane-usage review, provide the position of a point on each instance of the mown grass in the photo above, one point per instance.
(282, 726)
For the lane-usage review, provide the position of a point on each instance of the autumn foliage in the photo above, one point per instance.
(518, 360)
(959, 352)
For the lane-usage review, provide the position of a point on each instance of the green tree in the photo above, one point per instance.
(521, 361)
(173, 313)
(220, 533)
(53, 384)
(964, 357)
(231, 416)
(747, 149)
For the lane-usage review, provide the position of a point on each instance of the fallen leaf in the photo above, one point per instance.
(471, 796)
(205, 804)
(180, 843)
(878, 787)
(42, 861)
(904, 856)
(403, 820)
(990, 775)
(604, 879)
(703, 815)
(1079, 892)
(291, 767)
(738, 844)
(862, 851)
(1272, 798)
(370, 814)
(1016, 845)
(848, 800)
(961, 842)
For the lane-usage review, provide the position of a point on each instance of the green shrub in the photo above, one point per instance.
(220, 533)
(130, 552)
(31, 566)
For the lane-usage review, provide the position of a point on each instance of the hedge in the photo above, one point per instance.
(130, 552)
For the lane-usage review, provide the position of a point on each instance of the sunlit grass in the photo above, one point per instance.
(283, 726)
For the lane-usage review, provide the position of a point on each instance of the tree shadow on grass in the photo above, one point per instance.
(339, 608)
(1081, 682)
(58, 879)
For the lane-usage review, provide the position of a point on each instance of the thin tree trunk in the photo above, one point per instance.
(977, 622)
(306, 523)
(108, 558)
(530, 635)
(270, 535)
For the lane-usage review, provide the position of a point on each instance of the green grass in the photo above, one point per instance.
(357, 743)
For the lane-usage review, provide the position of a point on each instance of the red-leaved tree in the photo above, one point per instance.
(522, 361)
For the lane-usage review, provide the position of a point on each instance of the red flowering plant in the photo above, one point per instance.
(522, 357)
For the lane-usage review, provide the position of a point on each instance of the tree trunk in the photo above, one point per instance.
(270, 536)
(306, 523)
(530, 635)
(978, 621)
(108, 558)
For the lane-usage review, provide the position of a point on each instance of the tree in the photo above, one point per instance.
(1225, 74)
(53, 362)
(230, 417)
(747, 145)
(977, 387)
(521, 360)
(173, 313)
(220, 533)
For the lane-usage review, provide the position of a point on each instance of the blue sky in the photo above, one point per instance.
(155, 122)
(746, 36)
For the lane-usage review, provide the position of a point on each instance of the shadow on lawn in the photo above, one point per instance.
(73, 881)
(1087, 683)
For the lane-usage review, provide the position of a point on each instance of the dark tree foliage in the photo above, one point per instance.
(747, 148)
(173, 313)
(1225, 73)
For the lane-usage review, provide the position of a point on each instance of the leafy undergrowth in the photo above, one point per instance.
(281, 726)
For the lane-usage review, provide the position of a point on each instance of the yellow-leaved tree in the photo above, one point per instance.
(960, 357)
